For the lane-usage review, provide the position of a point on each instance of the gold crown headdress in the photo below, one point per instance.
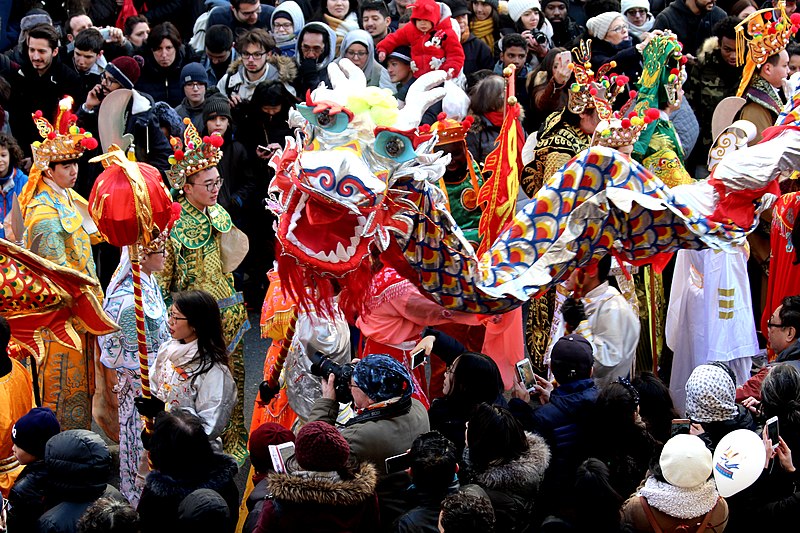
(623, 130)
(593, 89)
(63, 141)
(198, 154)
(450, 130)
(761, 35)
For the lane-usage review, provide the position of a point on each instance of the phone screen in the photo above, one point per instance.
(398, 463)
(772, 431)
(526, 374)
(680, 425)
(564, 58)
(417, 358)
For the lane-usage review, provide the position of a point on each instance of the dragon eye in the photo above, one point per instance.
(334, 123)
(394, 146)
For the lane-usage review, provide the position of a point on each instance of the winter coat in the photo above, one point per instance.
(26, 497)
(164, 83)
(628, 58)
(752, 387)
(235, 81)
(78, 465)
(424, 518)
(255, 504)
(438, 49)
(312, 72)
(238, 182)
(16, 181)
(512, 487)
(223, 15)
(376, 439)
(635, 516)
(195, 114)
(162, 494)
(692, 30)
(481, 138)
(319, 504)
(449, 417)
(477, 55)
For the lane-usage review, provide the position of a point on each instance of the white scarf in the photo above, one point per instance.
(680, 502)
(637, 31)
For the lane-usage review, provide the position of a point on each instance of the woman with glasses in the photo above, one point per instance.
(611, 41)
(191, 370)
(637, 13)
(359, 47)
(119, 353)
(286, 23)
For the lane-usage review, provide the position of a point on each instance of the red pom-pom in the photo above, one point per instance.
(51, 135)
(38, 114)
(81, 130)
(768, 15)
(647, 120)
(626, 123)
(684, 60)
(441, 116)
(206, 139)
(795, 19)
(425, 128)
(469, 120)
(179, 155)
(73, 117)
(90, 143)
(632, 94)
(216, 140)
(176, 211)
(621, 80)
(632, 114)
(593, 91)
(653, 113)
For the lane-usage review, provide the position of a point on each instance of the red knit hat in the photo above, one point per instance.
(321, 448)
(425, 10)
(264, 435)
(126, 70)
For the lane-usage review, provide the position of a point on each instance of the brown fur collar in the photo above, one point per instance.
(286, 67)
(297, 489)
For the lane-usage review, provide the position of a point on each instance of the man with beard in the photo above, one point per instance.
(691, 20)
(565, 30)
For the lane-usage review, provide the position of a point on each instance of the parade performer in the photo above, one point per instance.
(133, 210)
(202, 251)
(58, 228)
(16, 397)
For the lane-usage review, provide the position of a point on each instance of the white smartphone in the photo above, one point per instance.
(417, 358)
(526, 374)
(772, 432)
(280, 453)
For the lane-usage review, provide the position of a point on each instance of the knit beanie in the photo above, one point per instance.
(382, 377)
(517, 7)
(598, 26)
(215, 106)
(194, 72)
(685, 461)
(168, 118)
(320, 447)
(545, 2)
(268, 433)
(710, 395)
(126, 70)
(34, 429)
(630, 4)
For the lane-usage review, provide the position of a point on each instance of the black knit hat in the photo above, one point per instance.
(216, 106)
(34, 429)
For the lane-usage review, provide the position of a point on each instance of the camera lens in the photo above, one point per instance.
(541, 38)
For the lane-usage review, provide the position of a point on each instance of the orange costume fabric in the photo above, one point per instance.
(16, 399)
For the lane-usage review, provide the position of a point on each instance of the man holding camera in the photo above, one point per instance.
(386, 423)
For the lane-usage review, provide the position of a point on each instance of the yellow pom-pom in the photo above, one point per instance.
(186, 120)
(512, 100)
(637, 121)
(87, 134)
(37, 144)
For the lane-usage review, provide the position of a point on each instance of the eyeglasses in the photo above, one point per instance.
(109, 79)
(254, 55)
(172, 317)
(619, 29)
(210, 187)
(773, 325)
(195, 84)
(449, 370)
(354, 54)
(287, 26)
(256, 11)
(634, 12)
(314, 49)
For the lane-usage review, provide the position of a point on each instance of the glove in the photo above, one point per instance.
(266, 392)
(148, 407)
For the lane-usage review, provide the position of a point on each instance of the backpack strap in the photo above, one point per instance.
(704, 524)
(650, 516)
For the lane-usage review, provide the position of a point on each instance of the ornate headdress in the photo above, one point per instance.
(761, 35)
(63, 141)
(623, 130)
(593, 89)
(198, 154)
(450, 130)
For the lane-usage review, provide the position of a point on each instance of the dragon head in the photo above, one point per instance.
(332, 191)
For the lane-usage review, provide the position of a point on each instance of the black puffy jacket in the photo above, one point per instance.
(26, 497)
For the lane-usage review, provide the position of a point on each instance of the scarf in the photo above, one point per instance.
(483, 30)
(764, 94)
(496, 118)
(340, 27)
(678, 502)
(637, 31)
(390, 408)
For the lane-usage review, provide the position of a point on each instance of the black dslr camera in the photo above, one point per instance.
(539, 36)
(322, 366)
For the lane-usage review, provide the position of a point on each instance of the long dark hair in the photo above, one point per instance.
(202, 314)
(655, 405)
(780, 394)
(475, 379)
(494, 437)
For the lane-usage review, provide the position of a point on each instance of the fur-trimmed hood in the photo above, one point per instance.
(709, 46)
(522, 475)
(285, 66)
(221, 471)
(299, 490)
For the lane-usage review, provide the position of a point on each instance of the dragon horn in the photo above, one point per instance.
(422, 94)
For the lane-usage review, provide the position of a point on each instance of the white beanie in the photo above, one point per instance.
(630, 4)
(598, 26)
(685, 461)
(517, 7)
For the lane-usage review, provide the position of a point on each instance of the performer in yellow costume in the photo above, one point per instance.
(58, 228)
(202, 251)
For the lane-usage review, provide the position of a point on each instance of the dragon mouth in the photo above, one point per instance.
(328, 235)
